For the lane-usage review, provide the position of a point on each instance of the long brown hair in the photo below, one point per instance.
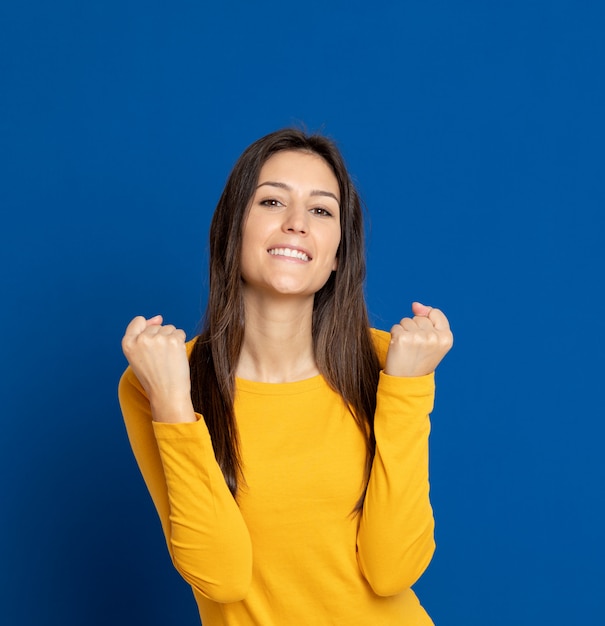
(344, 351)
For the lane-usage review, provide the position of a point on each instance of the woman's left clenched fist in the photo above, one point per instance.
(158, 357)
(419, 343)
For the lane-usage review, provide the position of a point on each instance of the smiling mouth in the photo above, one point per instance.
(289, 252)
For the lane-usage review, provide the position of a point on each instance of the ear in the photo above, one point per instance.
(335, 264)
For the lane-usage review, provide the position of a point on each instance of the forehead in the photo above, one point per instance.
(299, 169)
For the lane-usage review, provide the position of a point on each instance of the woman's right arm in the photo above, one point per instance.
(205, 532)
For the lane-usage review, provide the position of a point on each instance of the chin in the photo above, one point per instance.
(292, 291)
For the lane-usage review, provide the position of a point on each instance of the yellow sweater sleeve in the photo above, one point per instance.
(206, 535)
(396, 533)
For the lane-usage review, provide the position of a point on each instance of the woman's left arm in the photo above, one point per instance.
(395, 539)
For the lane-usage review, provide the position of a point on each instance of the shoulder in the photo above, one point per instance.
(381, 340)
(189, 345)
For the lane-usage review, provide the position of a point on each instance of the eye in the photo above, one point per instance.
(319, 210)
(271, 202)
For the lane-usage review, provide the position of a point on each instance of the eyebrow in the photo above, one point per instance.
(314, 192)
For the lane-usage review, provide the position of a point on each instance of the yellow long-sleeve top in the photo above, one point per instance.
(289, 551)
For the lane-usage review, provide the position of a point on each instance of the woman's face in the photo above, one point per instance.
(292, 231)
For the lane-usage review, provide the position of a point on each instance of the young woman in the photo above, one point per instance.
(286, 447)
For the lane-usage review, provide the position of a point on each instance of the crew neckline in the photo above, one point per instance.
(279, 389)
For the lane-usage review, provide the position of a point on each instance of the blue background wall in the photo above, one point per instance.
(476, 132)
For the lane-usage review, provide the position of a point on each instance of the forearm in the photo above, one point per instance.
(395, 539)
(209, 541)
(205, 533)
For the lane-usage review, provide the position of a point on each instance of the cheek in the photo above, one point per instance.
(251, 235)
(247, 249)
(336, 247)
(257, 226)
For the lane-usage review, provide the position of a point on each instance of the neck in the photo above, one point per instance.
(278, 343)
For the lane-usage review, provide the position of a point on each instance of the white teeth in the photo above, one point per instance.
(297, 254)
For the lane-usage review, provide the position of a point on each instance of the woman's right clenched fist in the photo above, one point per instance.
(158, 358)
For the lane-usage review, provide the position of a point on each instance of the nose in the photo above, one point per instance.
(296, 220)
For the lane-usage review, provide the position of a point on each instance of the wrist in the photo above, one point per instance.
(172, 410)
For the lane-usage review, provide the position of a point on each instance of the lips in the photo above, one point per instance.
(293, 253)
